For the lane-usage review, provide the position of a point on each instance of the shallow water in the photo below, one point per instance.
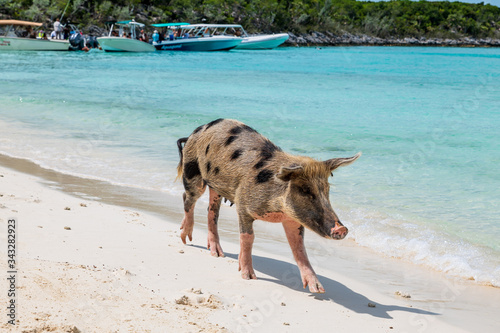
(426, 189)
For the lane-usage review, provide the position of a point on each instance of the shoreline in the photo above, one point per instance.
(114, 232)
(348, 39)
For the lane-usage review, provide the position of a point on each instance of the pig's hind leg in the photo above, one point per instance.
(295, 235)
(194, 188)
(213, 215)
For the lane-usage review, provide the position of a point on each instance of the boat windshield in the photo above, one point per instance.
(128, 29)
(171, 31)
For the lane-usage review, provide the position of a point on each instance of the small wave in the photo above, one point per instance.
(420, 244)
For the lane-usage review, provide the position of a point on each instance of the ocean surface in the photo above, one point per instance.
(426, 189)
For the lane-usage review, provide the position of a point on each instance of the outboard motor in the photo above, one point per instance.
(77, 41)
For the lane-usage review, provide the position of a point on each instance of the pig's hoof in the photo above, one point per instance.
(184, 234)
(248, 275)
(318, 289)
(215, 249)
(314, 286)
(187, 230)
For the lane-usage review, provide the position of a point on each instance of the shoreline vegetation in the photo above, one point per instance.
(308, 22)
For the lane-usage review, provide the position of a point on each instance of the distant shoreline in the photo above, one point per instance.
(347, 39)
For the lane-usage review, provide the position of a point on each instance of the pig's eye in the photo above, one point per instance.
(306, 191)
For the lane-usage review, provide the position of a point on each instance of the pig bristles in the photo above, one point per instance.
(179, 166)
(312, 167)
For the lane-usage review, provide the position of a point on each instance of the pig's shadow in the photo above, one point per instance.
(288, 275)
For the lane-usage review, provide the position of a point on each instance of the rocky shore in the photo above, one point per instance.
(330, 39)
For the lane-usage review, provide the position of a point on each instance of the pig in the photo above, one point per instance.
(265, 183)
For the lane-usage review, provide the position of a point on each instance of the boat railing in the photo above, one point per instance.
(186, 30)
(205, 30)
(123, 26)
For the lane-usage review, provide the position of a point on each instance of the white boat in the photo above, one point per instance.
(193, 37)
(255, 42)
(263, 41)
(14, 36)
(131, 43)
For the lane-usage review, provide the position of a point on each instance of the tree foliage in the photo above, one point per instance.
(397, 18)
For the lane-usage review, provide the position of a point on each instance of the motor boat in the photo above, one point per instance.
(126, 39)
(263, 41)
(21, 36)
(255, 42)
(183, 36)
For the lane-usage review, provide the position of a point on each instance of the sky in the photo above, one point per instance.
(491, 2)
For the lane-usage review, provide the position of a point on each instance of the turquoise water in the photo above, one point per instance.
(426, 189)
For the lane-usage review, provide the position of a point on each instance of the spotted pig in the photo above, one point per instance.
(265, 183)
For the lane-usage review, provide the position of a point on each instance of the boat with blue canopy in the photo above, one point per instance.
(182, 36)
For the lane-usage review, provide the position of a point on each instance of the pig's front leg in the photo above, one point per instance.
(187, 224)
(189, 197)
(295, 235)
(246, 242)
(213, 215)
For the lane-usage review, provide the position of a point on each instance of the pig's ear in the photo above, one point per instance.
(334, 163)
(287, 173)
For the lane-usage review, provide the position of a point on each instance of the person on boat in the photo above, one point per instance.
(124, 35)
(143, 37)
(30, 33)
(53, 34)
(41, 34)
(66, 33)
(58, 28)
(156, 36)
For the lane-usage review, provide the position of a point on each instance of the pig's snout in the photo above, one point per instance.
(339, 231)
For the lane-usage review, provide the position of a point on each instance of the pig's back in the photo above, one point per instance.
(230, 154)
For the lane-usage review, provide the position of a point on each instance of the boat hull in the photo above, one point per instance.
(263, 41)
(216, 43)
(120, 44)
(30, 44)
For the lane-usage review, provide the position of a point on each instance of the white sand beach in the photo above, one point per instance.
(89, 261)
